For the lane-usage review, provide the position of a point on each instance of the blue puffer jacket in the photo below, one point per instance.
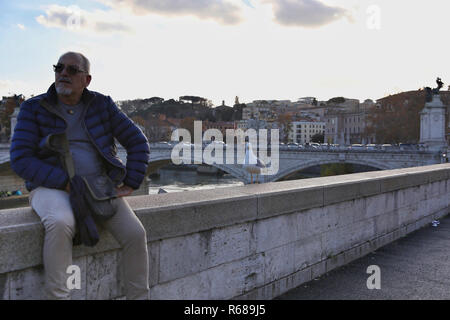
(38, 119)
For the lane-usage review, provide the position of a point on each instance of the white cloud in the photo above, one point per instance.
(305, 13)
(226, 12)
(75, 19)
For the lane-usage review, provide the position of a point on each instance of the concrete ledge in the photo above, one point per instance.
(237, 243)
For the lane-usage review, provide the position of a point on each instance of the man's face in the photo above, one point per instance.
(67, 84)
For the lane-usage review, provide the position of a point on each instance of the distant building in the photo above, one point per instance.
(302, 131)
(241, 124)
(9, 107)
(346, 124)
(222, 126)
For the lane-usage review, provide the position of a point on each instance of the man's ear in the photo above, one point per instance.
(88, 80)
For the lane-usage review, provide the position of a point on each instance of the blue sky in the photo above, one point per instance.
(219, 49)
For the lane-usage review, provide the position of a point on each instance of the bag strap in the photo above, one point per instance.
(67, 156)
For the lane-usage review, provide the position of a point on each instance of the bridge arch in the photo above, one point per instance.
(303, 165)
(236, 171)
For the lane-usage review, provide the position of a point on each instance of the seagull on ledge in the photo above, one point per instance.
(252, 164)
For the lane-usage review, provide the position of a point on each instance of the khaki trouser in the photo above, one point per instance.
(54, 209)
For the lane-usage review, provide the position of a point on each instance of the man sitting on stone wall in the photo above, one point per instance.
(91, 122)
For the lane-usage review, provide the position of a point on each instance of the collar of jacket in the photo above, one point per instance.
(52, 97)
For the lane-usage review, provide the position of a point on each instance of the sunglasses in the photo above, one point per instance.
(71, 69)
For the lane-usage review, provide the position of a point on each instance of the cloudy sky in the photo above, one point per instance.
(219, 49)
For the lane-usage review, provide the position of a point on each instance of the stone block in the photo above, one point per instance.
(278, 287)
(435, 188)
(407, 215)
(237, 277)
(344, 213)
(172, 221)
(301, 276)
(351, 190)
(384, 239)
(358, 209)
(361, 231)
(386, 223)
(275, 232)
(437, 174)
(318, 269)
(392, 182)
(279, 262)
(335, 241)
(153, 262)
(340, 239)
(335, 262)
(278, 203)
(310, 222)
(22, 244)
(415, 179)
(222, 282)
(375, 205)
(27, 284)
(103, 277)
(196, 286)
(352, 254)
(4, 286)
(182, 256)
(307, 252)
(231, 243)
(80, 294)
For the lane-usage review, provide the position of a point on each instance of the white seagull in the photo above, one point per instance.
(252, 163)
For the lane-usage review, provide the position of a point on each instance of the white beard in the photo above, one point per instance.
(63, 91)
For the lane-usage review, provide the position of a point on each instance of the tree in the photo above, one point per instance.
(336, 100)
(188, 124)
(318, 138)
(335, 169)
(396, 118)
(195, 100)
(155, 100)
(284, 122)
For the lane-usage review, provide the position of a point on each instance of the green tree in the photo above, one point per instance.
(318, 138)
(335, 169)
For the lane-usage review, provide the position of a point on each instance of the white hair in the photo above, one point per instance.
(85, 64)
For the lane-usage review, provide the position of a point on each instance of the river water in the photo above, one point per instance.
(185, 180)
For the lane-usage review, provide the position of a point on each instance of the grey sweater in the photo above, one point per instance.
(87, 160)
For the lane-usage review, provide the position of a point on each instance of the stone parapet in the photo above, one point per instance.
(249, 242)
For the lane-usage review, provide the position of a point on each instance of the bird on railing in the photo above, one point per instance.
(252, 164)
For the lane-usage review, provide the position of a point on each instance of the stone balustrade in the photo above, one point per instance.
(250, 242)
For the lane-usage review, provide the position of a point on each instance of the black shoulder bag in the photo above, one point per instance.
(101, 190)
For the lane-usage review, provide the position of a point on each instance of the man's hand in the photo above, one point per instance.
(124, 191)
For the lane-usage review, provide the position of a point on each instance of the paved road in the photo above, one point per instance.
(415, 267)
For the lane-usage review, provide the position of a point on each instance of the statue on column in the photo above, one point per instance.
(430, 92)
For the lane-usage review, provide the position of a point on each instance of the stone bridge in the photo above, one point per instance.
(290, 161)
